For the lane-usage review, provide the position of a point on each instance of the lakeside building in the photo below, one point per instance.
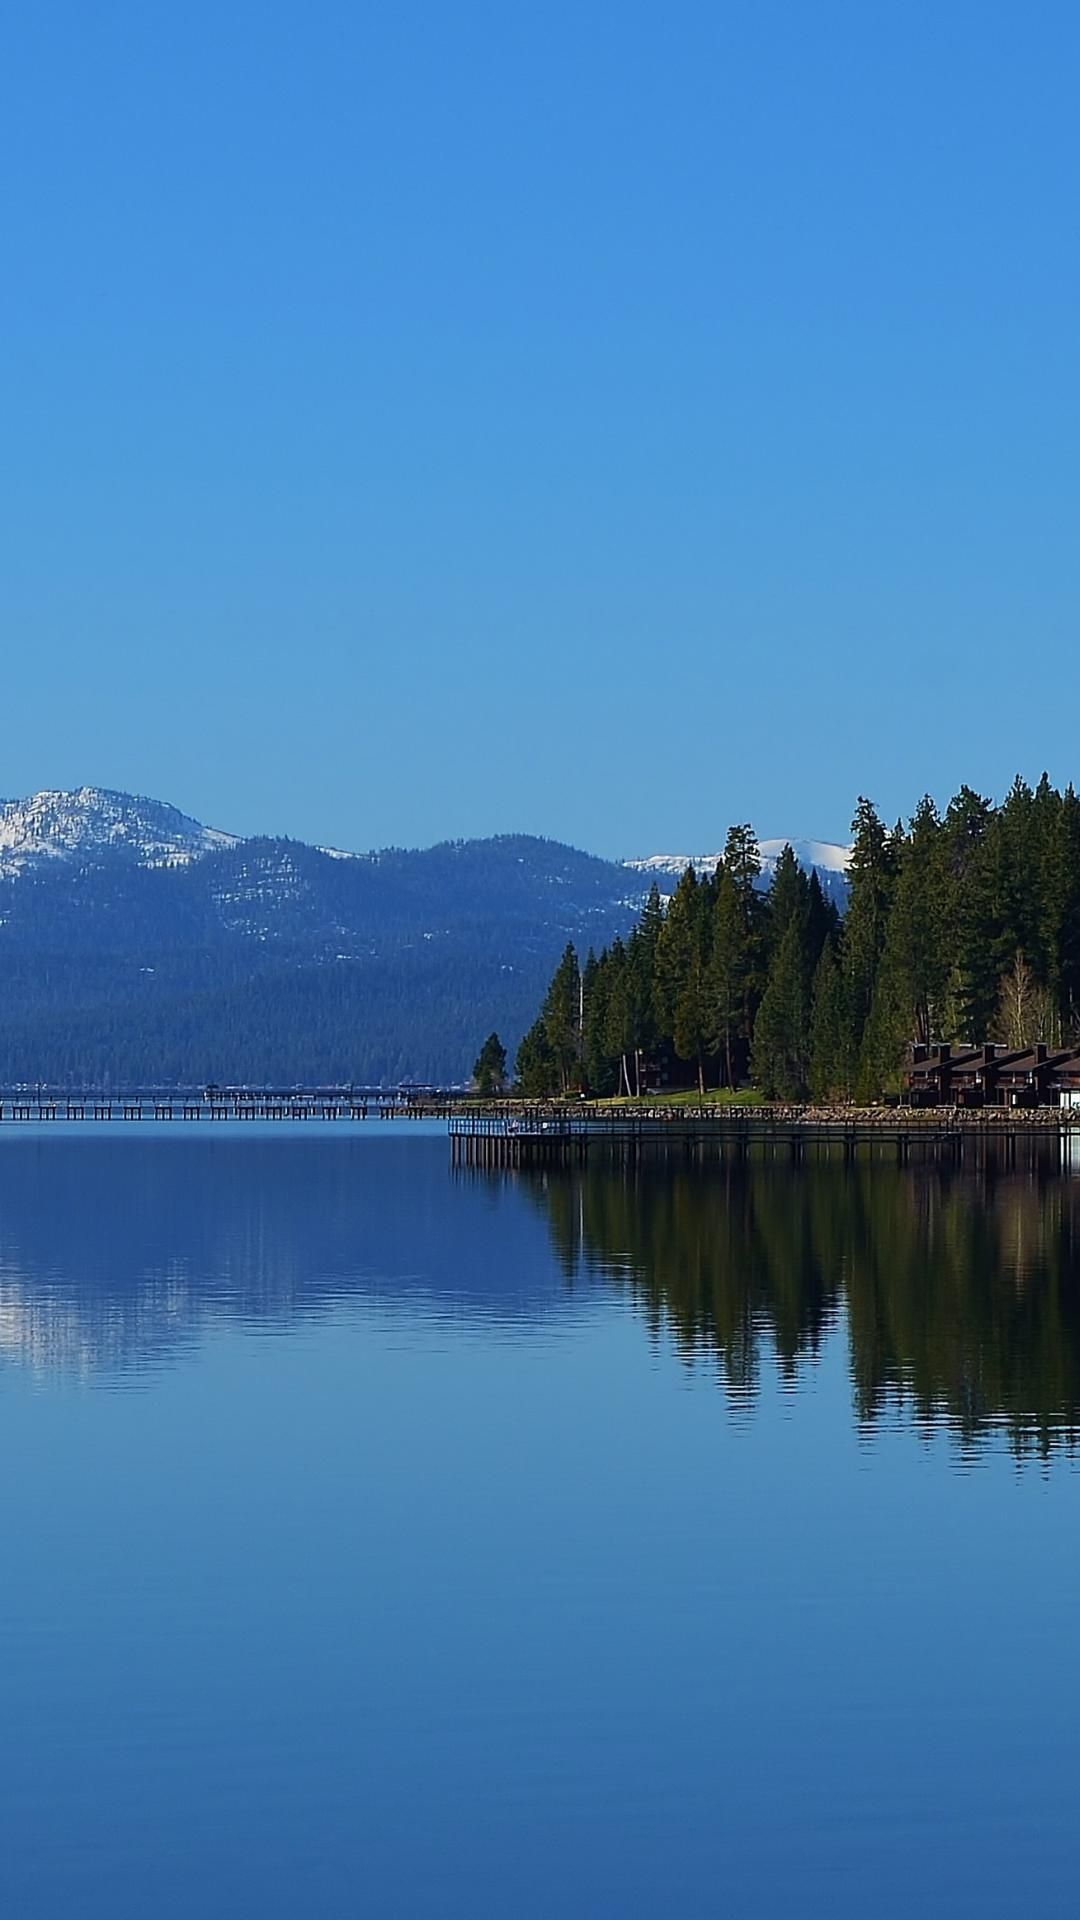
(992, 1075)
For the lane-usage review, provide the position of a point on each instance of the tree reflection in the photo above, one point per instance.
(959, 1291)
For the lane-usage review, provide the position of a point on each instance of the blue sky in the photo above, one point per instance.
(599, 420)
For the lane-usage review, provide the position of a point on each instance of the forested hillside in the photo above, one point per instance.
(268, 960)
(959, 926)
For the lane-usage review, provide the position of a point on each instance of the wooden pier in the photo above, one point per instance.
(551, 1136)
(217, 1104)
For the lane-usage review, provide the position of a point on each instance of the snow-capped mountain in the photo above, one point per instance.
(138, 946)
(91, 822)
(824, 856)
(88, 824)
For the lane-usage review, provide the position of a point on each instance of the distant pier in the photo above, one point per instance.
(216, 1104)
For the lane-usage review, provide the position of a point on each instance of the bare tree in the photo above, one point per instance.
(1025, 1012)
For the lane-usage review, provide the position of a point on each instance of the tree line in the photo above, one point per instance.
(963, 925)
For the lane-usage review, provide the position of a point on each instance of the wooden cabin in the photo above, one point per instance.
(936, 1075)
(993, 1075)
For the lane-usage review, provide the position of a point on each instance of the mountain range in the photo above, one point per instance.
(137, 945)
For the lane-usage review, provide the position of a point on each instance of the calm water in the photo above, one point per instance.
(383, 1542)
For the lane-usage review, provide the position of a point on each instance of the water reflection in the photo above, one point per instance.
(959, 1292)
(118, 1254)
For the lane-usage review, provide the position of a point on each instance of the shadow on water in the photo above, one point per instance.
(959, 1290)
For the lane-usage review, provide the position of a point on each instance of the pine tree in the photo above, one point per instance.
(618, 1036)
(787, 898)
(489, 1071)
(918, 929)
(822, 920)
(1012, 883)
(743, 862)
(970, 924)
(870, 882)
(885, 1035)
(536, 1073)
(596, 994)
(640, 1000)
(678, 943)
(649, 930)
(562, 1018)
(691, 1027)
(827, 1063)
(1046, 809)
(731, 962)
(909, 996)
(1062, 912)
(736, 959)
(781, 1051)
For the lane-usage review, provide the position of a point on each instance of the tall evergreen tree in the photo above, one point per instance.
(822, 920)
(787, 898)
(909, 995)
(562, 1018)
(870, 873)
(743, 862)
(640, 968)
(649, 929)
(536, 1072)
(1046, 808)
(489, 1071)
(827, 1030)
(618, 1035)
(596, 994)
(1062, 910)
(732, 973)
(781, 1054)
(971, 928)
(691, 1026)
(678, 945)
(1016, 874)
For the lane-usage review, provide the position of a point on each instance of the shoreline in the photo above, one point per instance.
(602, 1117)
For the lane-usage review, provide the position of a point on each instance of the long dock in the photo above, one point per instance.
(221, 1104)
(551, 1136)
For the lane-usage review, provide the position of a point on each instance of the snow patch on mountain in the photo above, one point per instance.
(92, 822)
(675, 864)
(824, 855)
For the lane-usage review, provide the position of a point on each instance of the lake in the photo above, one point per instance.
(384, 1540)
